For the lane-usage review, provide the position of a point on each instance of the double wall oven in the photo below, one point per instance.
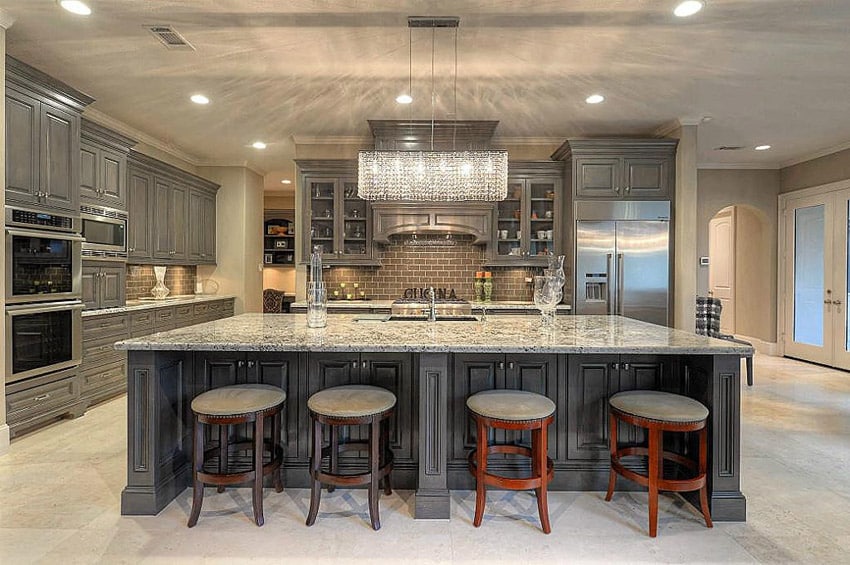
(43, 293)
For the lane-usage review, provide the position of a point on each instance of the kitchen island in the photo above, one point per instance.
(431, 367)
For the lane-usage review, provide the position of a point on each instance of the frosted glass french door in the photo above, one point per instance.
(816, 279)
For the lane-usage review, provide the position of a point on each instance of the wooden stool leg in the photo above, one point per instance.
(385, 451)
(539, 441)
(750, 370)
(703, 468)
(197, 465)
(222, 452)
(276, 441)
(315, 465)
(612, 442)
(374, 457)
(258, 470)
(334, 454)
(656, 467)
(481, 469)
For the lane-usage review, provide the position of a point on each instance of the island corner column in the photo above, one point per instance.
(432, 499)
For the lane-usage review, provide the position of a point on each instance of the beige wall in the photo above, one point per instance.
(239, 243)
(816, 172)
(4, 428)
(685, 236)
(754, 192)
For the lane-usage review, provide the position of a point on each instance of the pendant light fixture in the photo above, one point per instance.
(445, 176)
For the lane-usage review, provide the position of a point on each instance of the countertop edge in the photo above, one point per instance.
(147, 305)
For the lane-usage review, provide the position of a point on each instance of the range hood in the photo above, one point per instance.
(429, 218)
(408, 218)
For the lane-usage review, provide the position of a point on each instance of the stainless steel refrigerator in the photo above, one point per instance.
(623, 259)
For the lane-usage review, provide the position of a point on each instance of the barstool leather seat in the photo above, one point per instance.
(657, 405)
(238, 399)
(351, 401)
(510, 405)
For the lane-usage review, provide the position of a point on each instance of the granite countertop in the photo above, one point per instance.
(133, 305)
(387, 304)
(505, 334)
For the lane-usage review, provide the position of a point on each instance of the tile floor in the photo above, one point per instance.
(60, 488)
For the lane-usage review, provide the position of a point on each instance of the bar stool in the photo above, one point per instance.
(239, 404)
(351, 405)
(659, 412)
(511, 410)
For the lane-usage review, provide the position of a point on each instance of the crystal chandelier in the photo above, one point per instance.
(441, 176)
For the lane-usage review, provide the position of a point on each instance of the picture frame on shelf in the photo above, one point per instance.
(268, 258)
(281, 244)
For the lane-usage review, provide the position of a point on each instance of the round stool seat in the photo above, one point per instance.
(659, 406)
(510, 405)
(238, 399)
(351, 401)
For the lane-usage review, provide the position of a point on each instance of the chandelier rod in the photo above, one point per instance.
(454, 128)
(433, 95)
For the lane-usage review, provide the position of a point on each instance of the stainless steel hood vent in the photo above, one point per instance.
(408, 218)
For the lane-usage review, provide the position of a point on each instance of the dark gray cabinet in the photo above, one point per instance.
(475, 372)
(103, 166)
(527, 225)
(34, 402)
(591, 381)
(42, 139)
(172, 214)
(103, 284)
(335, 218)
(620, 169)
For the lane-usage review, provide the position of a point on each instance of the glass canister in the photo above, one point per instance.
(317, 294)
(488, 286)
(478, 286)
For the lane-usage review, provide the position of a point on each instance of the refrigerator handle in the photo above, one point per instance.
(610, 286)
(620, 279)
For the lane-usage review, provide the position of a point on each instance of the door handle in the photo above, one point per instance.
(827, 301)
(620, 278)
(608, 282)
(837, 302)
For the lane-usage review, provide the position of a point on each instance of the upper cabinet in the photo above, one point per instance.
(620, 169)
(103, 166)
(172, 214)
(335, 217)
(42, 139)
(527, 226)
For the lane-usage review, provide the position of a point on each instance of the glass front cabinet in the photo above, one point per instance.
(338, 220)
(528, 223)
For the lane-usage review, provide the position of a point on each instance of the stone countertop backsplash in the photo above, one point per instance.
(498, 334)
(133, 305)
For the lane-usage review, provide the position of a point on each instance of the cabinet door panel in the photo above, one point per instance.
(589, 382)
(177, 236)
(196, 229)
(538, 374)
(140, 199)
(88, 172)
(214, 370)
(163, 220)
(639, 372)
(332, 369)
(112, 286)
(90, 286)
(394, 372)
(646, 178)
(22, 147)
(472, 373)
(596, 177)
(113, 179)
(59, 173)
(279, 369)
(209, 228)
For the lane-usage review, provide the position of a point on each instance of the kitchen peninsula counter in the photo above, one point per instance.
(431, 367)
(376, 306)
(134, 305)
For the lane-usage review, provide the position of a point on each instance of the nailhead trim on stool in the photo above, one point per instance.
(239, 404)
(351, 405)
(512, 410)
(659, 412)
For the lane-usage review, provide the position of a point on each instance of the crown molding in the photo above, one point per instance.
(667, 128)
(244, 164)
(733, 166)
(6, 19)
(816, 155)
(333, 140)
(527, 140)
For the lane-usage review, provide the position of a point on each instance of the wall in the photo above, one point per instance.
(239, 244)
(823, 170)
(179, 279)
(5, 22)
(685, 226)
(754, 192)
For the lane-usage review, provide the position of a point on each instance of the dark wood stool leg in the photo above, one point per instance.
(315, 465)
(702, 469)
(481, 469)
(223, 463)
(385, 452)
(276, 441)
(258, 470)
(539, 442)
(750, 370)
(197, 465)
(374, 457)
(612, 442)
(334, 454)
(656, 467)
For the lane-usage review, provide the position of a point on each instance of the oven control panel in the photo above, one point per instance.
(45, 220)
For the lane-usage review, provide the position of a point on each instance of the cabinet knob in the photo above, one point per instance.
(617, 189)
(240, 364)
(615, 366)
(251, 364)
(628, 188)
(354, 364)
(626, 366)
(501, 364)
(131, 249)
(511, 365)
(364, 364)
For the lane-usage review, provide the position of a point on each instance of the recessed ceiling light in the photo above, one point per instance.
(594, 99)
(199, 99)
(404, 99)
(762, 147)
(286, 181)
(76, 7)
(688, 8)
(258, 145)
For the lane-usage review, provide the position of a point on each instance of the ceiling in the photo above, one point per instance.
(764, 72)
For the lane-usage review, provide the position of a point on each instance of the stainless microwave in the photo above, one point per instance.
(105, 232)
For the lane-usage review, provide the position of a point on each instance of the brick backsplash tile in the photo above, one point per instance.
(180, 279)
(416, 267)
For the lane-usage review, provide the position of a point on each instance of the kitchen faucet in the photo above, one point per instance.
(432, 311)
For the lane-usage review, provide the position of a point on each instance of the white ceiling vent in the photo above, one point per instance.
(729, 148)
(170, 37)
